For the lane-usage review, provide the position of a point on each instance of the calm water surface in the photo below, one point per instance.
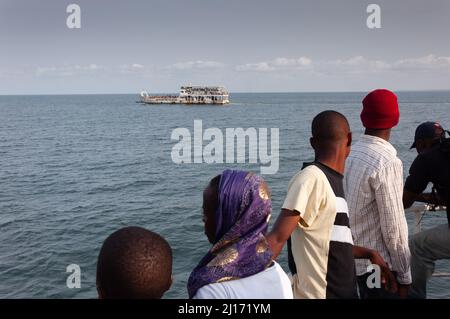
(73, 169)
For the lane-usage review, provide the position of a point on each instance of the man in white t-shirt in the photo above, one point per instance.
(315, 216)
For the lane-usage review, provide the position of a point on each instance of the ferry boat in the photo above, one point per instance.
(190, 95)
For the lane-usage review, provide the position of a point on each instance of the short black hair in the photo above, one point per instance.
(134, 263)
(329, 127)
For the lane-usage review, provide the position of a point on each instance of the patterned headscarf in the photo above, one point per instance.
(240, 249)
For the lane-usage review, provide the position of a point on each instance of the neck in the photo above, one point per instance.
(385, 134)
(333, 160)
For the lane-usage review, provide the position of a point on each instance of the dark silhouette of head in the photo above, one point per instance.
(428, 135)
(134, 263)
(331, 138)
(210, 205)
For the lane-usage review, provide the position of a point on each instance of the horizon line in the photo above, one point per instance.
(230, 92)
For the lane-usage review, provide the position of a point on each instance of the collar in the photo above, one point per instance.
(328, 169)
(370, 139)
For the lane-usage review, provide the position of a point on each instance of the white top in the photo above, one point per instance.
(272, 283)
(322, 243)
(373, 186)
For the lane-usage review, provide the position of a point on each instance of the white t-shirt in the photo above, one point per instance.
(322, 243)
(272, 283)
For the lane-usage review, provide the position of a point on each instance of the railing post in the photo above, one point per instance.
(418, 222)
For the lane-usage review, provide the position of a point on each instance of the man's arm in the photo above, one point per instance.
(301, 205)
(387, 277)
(416, 183)
(409, 198)
(283, 228)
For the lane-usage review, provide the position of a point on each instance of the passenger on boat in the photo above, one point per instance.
(315, 215)
(134, 263)
(239, 265)
(373, 184)
(432, 165)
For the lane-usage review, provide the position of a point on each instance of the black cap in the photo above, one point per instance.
(427, 130)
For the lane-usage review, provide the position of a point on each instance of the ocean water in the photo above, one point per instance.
(75, 168)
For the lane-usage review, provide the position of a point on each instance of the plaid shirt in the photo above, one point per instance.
(373, 186)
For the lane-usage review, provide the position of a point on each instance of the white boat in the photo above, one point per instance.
(190, 95)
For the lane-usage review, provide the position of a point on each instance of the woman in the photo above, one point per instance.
(236, 211)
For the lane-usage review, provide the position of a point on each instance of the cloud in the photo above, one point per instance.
(257, 67)
(90, 69)
(191, 65)
(133, 68)
(428, 62)
(21, 72)
(286, 62)
(350, 66)
(137, 66)
(353, 65)
(360, 64)
(67, 70)
(276, 64)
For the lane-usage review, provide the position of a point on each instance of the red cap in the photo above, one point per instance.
(380, 110)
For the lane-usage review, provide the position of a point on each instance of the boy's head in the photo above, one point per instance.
(134, 263)
(331, 135)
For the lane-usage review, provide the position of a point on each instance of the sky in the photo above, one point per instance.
(245, 45)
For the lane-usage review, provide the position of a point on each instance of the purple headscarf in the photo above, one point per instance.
(240, 249)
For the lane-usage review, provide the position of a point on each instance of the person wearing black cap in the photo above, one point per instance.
(432, 164)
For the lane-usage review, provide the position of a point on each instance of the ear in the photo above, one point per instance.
(349, 139)
(169, 285)
(312, 142)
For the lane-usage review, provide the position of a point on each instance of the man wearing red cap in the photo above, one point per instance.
(374, 186)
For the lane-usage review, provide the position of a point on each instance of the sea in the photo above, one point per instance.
(75, 168)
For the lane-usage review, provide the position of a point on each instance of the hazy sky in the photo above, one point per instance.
(246, 45)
